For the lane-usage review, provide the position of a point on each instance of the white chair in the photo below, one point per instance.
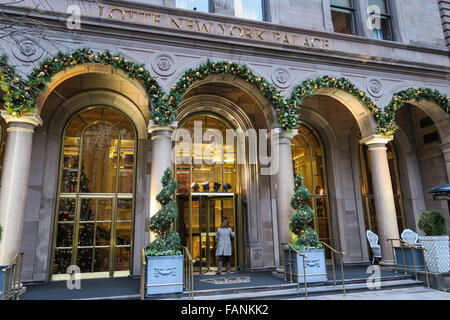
(374, 246)
(410, 236)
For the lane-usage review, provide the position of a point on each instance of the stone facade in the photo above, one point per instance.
(297, 43)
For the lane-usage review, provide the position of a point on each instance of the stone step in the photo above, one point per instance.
(292, 293)
(289, 285)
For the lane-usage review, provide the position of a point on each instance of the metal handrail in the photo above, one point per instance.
(334, 251)
(396, 265)
(304, 256)
(188, 275)
(143, 266)
(11, 278)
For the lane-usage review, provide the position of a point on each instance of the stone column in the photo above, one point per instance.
(384, 196)
(161, 159)
(13, 195)
(284, 188)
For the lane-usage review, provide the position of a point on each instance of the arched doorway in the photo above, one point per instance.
(95, 204)
(309, 161)
(209, 190)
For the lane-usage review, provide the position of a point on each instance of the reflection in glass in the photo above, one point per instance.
(96, 191)
(249, 9)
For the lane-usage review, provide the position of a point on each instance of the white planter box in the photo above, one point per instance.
(437, 254)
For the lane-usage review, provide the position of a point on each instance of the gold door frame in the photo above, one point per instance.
(79, 196)
(238, 243)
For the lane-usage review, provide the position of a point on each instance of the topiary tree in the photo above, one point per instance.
(301, 220)
(432, 222)
(167, 241)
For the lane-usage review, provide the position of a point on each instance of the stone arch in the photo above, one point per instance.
(434, 103)
(261, 89)
(356, 101)
(52, 71)
(336, 183)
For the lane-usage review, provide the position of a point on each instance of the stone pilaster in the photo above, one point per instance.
(16, 168)
(446, 152)
(284, 187)
(161, 159)
(384, 196)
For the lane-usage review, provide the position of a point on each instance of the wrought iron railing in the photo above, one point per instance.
(333, 262)
(188, 279)
(12, 288)
(291, 248)
(412, 247)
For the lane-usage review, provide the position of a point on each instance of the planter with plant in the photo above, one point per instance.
(437, 254)
(306, 240)
(164, 273)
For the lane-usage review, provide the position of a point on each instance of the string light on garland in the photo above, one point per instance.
(287, 118)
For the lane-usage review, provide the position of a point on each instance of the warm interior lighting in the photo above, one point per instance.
(195, 186)
(226, 187)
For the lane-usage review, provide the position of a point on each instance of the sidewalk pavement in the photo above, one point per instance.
(415, 293)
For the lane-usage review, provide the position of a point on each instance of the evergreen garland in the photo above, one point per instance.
(17, 93)
(387, 125)
(287, 117)
(20, 96)
(310, 86)
(301, 220)
(167, 241)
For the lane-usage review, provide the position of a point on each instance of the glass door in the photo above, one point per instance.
(94, 216)
(197, 228)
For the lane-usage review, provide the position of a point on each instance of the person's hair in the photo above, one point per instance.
(225, 223)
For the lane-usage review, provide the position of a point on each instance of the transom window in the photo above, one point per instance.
(343, 16)
(379, 10)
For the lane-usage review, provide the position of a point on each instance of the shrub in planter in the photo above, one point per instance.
(307, 241)
(164, 258)
(437, 254)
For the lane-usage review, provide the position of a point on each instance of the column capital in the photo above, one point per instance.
(159, 131)
(30, 118)
(375, 139)
(283, 134)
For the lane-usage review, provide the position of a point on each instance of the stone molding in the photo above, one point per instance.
(31, 118)
(375, 139)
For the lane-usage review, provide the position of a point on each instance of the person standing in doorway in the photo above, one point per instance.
(223, 252)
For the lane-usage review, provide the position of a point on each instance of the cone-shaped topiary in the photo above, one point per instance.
(432, 222)
(167, 241)
(301, 220)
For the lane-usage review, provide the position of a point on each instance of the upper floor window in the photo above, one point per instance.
(249, 9)
(343, 16)
(198, 5)
(382, 27)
